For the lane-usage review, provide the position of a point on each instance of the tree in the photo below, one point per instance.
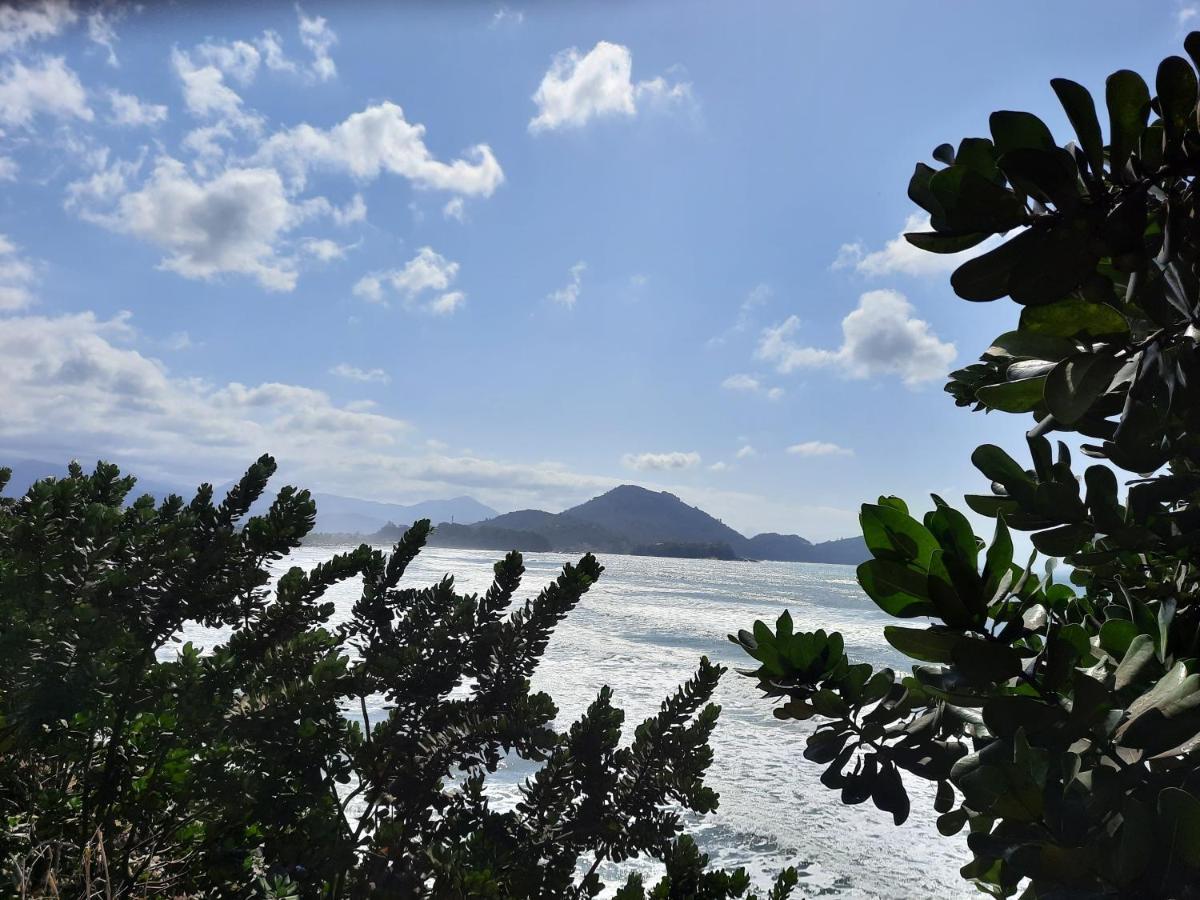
(132, 766)
(1060, 721)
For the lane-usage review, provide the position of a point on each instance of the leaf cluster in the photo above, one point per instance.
(1059, 721)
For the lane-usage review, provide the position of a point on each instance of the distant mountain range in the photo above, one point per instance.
(632, 519)
(335, 513)
(627, 519)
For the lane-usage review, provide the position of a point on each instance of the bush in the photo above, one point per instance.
(131, 766)
(1060, 722)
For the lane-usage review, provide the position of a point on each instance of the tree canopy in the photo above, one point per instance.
(132, 765)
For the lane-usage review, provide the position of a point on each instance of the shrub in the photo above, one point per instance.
(131, 766)
(1060, 722)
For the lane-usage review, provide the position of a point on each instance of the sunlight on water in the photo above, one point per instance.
(641, 630)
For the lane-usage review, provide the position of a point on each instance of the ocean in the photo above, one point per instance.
(641, 630)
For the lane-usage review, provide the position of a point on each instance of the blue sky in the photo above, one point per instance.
(524, 252)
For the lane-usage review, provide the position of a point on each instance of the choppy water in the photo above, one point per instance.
(641, 630)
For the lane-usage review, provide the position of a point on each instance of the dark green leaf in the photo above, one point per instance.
(896, 589)
(1076, 383)
(1081, 111)
(1014, 130)
(1024, 395)
(1128, 101)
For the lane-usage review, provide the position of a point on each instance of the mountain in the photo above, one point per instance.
(632, 519)
(351, 515)
(783, 547)
(563, 530)
(335, 513)
(651, 517)
(26, 471)
(847, 551)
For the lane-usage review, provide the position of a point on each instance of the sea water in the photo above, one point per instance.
(641, 630)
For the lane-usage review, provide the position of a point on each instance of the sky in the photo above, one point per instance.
(523, 252)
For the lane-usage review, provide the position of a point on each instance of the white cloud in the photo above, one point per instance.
(323, 249)
(422, 284)
(318, 37)
(455, 209)
(505, 15)
(126, 405)
(49, 87)
(751, 384)
(818, 448)
(354, 211)
(756, 297)
(354, 373)
(270, 44)
(129, 110)
(580, 87)
(8, 168)
(447, 303)
(123, 401)
(237, 59)
(1187, 14)
(719, 466)
(101, 31)
(17, 275)
(379, 139)
(569, 293)
(229, 224)
(644, 462)
(205, 93)
(22, 23)
(741, 382)
(899, 257)
(881, 336)
(179, 340)
(745, 452)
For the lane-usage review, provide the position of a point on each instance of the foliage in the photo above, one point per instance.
(131, 765)
(1060, 722)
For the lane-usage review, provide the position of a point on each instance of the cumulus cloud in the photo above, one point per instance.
(354, 373)
(881, 336)
(318, 37)
(23, 23)
(745, 452)
(48, 87)
(129, 110)
(647, 462)
(379, 139)
(238, 59)
(8, 168)
(423, 283)
(569, 293)
(228, 224)
(899, 257)
(580, 87)
(818, 448)
(719, 466)
(17, 276)
(205, 93)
